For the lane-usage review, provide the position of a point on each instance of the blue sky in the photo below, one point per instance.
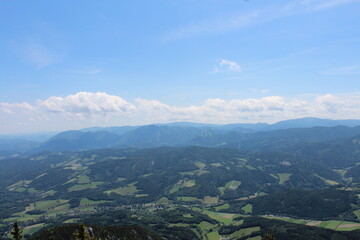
(73, 64)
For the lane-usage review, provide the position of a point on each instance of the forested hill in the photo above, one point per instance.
(67, 232)
(47, 189)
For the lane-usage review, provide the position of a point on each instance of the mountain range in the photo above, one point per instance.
(245, 136)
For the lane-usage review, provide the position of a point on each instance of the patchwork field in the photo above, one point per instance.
(130, 189)
(244, 232)
(334, 224)
(225, 218)
(232, 185)
(284, 177)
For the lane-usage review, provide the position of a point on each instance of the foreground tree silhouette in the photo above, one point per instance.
(16, 232)
(82, 234)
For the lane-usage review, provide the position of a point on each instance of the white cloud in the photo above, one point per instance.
(225, 65)
(85, 109)
(85, 104)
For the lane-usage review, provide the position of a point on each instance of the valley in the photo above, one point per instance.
(192, 192)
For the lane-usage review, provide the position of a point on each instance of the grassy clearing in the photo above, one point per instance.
(333, 224)
(206, 226)
(80, 187)
(196, 172)
(287, 219)
(20, 189)
(74, 167)
(255, 238)
(59, 209)
(48, 193)
(189, 199)
(213, 236)
(178, 225)
(238, 223)
(232, 185)
(242, 159)
(330, 224)
(187, 173)
(225, 218)
(247, 208)
(244, 232)
(258, 194)
(357, 213)
(210, 200)
(216, 164)
(83, 179)
(200, 165)
(163, 200)
(183, 183)
(21, 218)
(327, 181)
(41, 175)
(201, 171)
(33, 228)
(45, 205)
(86, 209)
(348, 226)
(72, 220)
(84, 202)
(33, 190)
(141, 195)
(189, 183)
(21, 183)
(250, 167)
(222, 207)
(130, 189)
(284, 177)
(70, 181)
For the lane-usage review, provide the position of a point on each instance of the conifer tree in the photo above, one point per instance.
(269, 236)
(16, 232)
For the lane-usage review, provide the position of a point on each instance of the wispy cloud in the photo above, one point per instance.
(38, 54)
(347, 70)
(239, 20)
(321, 4)
(263, 91)
(87, 71)
(225, 65)
(214, 26)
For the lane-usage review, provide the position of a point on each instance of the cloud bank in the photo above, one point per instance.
(85, 109)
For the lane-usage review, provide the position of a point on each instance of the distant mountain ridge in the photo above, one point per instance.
(248, 136)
